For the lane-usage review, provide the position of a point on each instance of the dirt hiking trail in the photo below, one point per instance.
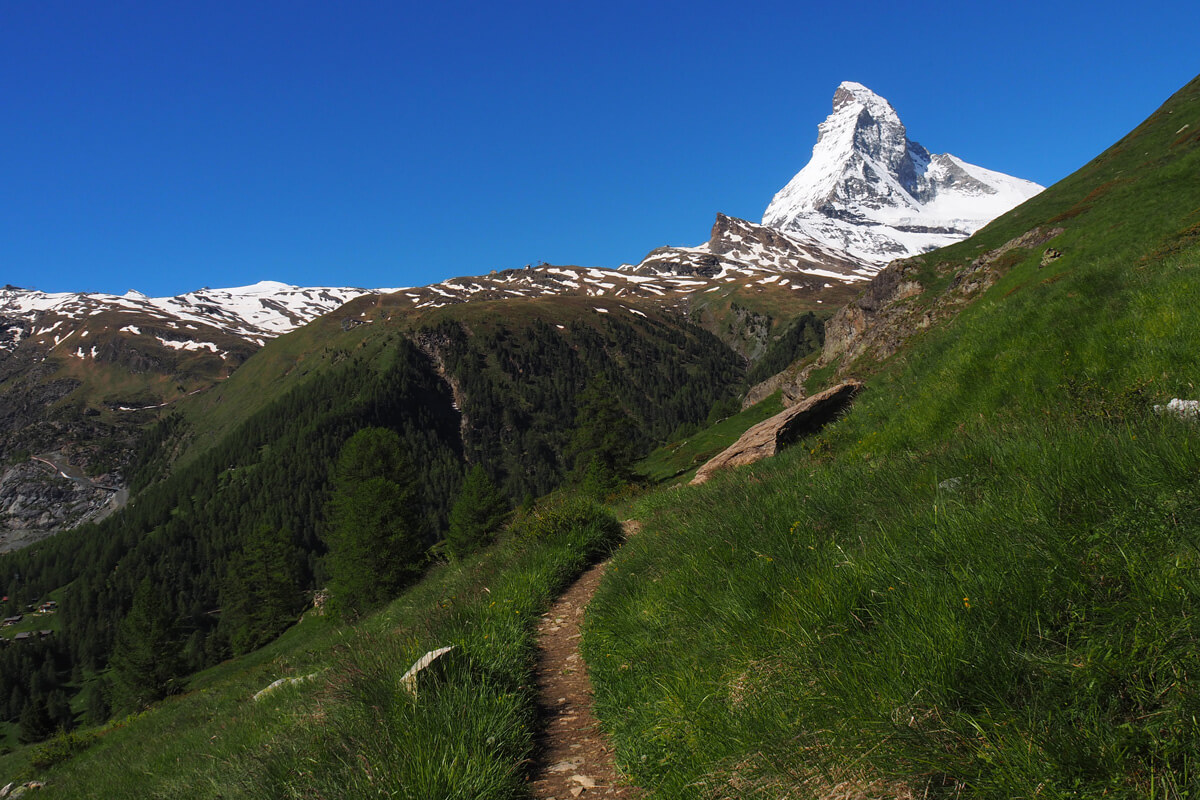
(574, 758)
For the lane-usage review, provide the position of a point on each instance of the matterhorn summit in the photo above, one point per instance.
(872, 192)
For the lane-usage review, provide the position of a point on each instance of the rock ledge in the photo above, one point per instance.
(767, 437)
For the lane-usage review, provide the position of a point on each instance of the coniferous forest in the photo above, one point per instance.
(217, 554)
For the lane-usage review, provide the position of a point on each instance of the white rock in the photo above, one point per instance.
(1183, 409)
(422, 664)
(282, 682)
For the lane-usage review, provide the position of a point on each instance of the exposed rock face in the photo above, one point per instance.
(738, 249)
(874, 193)
(753, 260)
(424, 667)
(36, 501)
(767, 437)
(846, 331)
(789, 383)
(879, 322)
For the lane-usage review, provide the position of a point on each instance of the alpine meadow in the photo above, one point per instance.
(977, 576)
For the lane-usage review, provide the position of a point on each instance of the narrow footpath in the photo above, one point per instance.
(574, 759)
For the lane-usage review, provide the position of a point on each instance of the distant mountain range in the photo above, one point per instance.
(254, 313)
(868, 195)
(80, 372)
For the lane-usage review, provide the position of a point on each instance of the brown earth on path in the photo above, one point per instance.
(574, 757)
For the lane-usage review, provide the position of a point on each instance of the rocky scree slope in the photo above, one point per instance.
(82, 373)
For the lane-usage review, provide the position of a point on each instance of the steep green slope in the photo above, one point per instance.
(982, 581)
(340, 725)
(183, 532)
(519, 382)
(1106, 319)
(496, 384)
(515, 366)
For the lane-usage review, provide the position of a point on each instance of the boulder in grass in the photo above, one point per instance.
(424, 668)
(1182, 409)
(282, 682)
(769, 436)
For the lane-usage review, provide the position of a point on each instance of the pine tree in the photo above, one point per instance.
(58, 708)
(35, 723)
(375, 546)
(476, 515)
(96, 705)
(603, 433)
(261, 593)
(146, 660)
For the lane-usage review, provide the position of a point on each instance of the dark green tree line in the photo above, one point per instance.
(374, 534)
(476, 515)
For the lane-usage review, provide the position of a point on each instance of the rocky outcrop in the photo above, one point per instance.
(766, 438)
(280, 683)
(885, 315)
(761, 391)
(37, 500)
(847, 333)
(790, 383)
(424, 668)
(737, 247)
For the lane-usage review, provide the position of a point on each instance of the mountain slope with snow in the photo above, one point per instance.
(741, 250)
(875, 194)
(81, 374)
(260, 311)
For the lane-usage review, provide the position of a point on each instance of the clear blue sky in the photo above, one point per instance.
(165, 146)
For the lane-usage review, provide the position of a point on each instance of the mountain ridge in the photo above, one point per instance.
(81, 373)
(876, 194)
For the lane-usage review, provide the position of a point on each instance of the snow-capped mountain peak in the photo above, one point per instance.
(850, 92)
(874, 193)
(252, 313)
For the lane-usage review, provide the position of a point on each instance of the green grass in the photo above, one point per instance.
(678, 460)
(351, 731)
(1016, 611)
(982, 581)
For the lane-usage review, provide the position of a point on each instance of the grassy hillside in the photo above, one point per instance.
(498, 385)
(516, 365)
(982, 581)
(345, 728)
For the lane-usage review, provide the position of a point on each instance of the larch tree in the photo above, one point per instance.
(373, 535)
(476, 515)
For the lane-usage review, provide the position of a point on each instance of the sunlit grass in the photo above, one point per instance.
(982, 581)
(349, 729)
(1014, 612)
